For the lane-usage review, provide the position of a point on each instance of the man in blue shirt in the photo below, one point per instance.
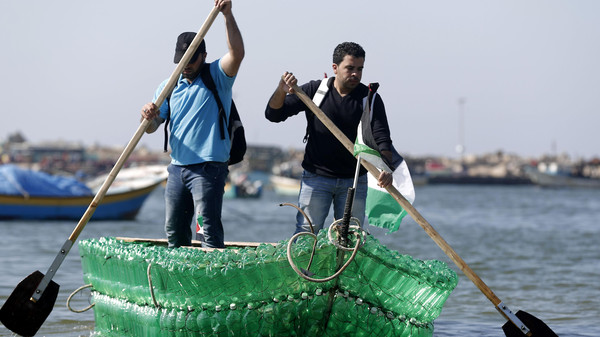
(199, 154)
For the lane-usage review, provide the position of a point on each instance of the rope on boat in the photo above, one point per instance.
(336, 225)
(150, 284)
(312, 230)
(75, 292)
(312, 279)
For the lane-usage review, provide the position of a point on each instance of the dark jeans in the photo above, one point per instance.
(318, 193)
(195, 191)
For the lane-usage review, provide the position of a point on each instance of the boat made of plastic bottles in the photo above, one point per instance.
(142, 288)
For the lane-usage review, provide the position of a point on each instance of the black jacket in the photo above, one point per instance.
(324, 154)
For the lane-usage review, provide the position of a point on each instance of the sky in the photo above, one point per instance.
(518, 76)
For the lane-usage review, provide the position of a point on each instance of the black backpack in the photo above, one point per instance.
(235, 128)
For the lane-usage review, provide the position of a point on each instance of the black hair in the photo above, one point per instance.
(347, 48)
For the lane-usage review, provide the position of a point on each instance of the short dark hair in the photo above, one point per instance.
(347, 48)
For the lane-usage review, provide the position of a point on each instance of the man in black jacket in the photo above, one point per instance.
(328, 167)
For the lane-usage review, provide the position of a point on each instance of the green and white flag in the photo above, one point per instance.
(382, 210)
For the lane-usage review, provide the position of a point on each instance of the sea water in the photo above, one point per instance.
(537, 249)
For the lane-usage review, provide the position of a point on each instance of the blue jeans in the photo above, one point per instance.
(318, 192)
(193, 191)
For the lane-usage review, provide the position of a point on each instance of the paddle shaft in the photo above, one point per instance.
(166, 91)
(435, 236)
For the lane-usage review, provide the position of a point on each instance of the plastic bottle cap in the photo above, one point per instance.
(232, 306)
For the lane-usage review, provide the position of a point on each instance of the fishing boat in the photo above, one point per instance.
(27, 194)
(285, 177)
(554, 178)
(285, 185)
(240, 185)
(305, 286)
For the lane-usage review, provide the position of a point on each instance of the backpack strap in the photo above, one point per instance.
(321, 91)
(166, 142)
(210, 84)
(318, 99)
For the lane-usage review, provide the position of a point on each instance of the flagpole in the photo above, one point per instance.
(357, 172)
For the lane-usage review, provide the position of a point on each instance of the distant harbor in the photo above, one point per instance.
(496, 168)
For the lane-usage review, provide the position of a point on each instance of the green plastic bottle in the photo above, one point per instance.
(317, 310)
(234, 321)
(180, 329)
(191, 321)
(218, 322)
(269, 322)
(252, 320)
(303, 314)
(288, 314)
(167, 320)
(203, 321)
(342, 320)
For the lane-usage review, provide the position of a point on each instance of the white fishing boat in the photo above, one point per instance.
(285, 185)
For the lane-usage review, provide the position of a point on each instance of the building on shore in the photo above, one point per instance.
(60, 157)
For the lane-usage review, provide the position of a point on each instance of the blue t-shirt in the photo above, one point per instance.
(195, 132)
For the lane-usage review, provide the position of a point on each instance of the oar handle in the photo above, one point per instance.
(166, 91)
(439, 240)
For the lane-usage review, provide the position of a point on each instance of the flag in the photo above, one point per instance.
(382, 210)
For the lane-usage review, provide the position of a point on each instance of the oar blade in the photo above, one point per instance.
(22, 315)
(535, 325)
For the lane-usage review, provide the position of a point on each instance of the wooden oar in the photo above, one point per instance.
(33, 299)
(518, 324)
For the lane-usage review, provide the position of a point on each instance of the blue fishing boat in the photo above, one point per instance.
(28, 194)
